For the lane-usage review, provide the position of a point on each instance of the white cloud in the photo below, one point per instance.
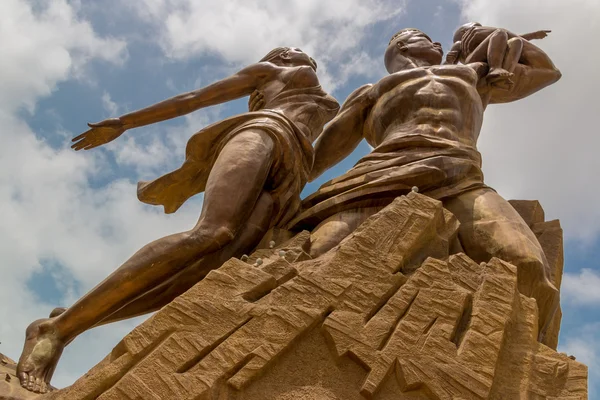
(545, 147)
(243, 31)
(45, 46)
(582, 288)
(109, 105)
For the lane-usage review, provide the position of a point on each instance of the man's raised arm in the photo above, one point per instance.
(534, 72)
(341, 136)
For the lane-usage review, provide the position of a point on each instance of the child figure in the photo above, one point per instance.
(501, 49)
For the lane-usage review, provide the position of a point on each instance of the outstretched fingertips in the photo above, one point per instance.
(79, 145)
(79, 137)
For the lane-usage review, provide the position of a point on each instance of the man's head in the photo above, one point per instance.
(409, 47)
(289, 56)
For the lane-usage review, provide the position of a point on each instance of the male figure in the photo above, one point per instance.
(500, 48)
(424, 120)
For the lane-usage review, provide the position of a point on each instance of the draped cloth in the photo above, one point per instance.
(292, 156)
(438, 167)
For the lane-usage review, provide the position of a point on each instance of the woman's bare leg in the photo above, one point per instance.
(247, 239)
(233, 188)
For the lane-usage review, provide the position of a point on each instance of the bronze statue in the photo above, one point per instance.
(500, 49)
(251, 167)
(423, 121)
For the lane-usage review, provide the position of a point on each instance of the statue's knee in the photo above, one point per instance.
(320, 246)
(515, 42)
(208, 238)
(223, 235)
(500, 32)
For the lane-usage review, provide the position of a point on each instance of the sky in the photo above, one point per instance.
(70, 218)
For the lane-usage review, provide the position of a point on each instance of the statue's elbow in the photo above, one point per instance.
(558, 74)
(549, 77)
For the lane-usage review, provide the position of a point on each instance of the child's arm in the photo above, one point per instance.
(535, 35)
(454, 54)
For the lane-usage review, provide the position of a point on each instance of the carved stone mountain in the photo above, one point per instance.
(10, 388)
(389, 314)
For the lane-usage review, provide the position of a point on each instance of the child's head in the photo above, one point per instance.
(460, 32)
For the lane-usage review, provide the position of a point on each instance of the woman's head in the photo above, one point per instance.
(289, 56)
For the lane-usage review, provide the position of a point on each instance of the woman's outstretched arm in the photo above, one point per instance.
(231, 88)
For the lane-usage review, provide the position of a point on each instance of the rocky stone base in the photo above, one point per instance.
(389, 314)
(10, 388)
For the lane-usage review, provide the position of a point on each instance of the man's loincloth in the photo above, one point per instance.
(292, 161)
(439, 167)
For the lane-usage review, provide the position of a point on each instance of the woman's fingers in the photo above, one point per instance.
(83, 135)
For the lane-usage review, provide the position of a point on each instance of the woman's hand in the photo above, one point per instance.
(99, 134)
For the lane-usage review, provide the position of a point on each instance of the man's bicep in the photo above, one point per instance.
(527, 81)
(339, 139)
(346, 128)
(360, 97)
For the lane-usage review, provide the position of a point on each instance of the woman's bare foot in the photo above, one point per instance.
(41, 352)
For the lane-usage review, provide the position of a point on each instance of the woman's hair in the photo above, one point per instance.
(275, 53)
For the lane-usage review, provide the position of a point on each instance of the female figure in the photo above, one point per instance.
(251, 168)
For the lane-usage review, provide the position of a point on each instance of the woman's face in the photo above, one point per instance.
(298, 57)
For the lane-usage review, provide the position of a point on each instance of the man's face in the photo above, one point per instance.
(416, 45)
(298, 57)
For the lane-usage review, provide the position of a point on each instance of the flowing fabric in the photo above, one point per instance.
(439, 167)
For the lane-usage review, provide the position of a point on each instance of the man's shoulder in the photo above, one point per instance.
(361, 91)
(358, 95)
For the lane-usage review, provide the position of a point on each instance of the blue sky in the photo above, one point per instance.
(71, 218)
